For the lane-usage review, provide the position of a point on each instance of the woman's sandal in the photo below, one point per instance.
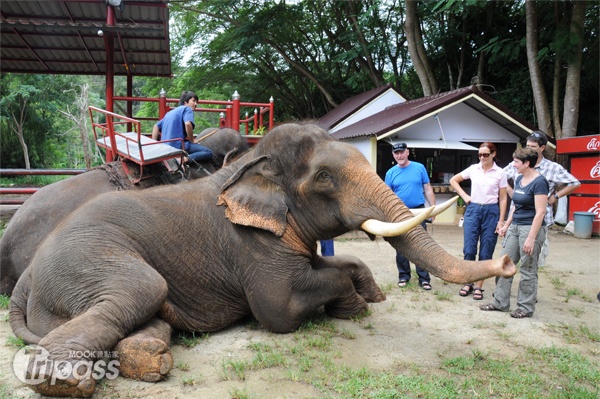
(520, 314)
(488, 307)
(477, 294)
(467, 291)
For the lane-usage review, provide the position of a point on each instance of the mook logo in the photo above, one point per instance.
(595, 210)
(595, 171)
(32, 365)
(593, 144)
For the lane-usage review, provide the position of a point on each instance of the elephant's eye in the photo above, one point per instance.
(323, 176)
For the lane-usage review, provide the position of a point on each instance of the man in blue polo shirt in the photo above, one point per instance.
(410, 182)
(178, 123)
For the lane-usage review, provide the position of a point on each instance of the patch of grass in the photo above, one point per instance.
(534, 372)
(348, 334)
(557, 283)
(538, 373)
(361, 316)
(266, 356)
(503, 335)
(572, 292)
(240, 394)
(189, 339)
(370, 327)
(387, 288)
(443, 296)
(238, 368)
(30, 181)
(434, 307)
(577, 311)
(578, 334)
(391, 308)
(15, 341)
(188, 381)
(569, 365)
(182, 366)
(4, 301)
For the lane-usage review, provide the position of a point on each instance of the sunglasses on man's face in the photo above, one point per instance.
(484, 155)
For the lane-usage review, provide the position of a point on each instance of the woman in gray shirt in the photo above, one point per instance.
(524, 233)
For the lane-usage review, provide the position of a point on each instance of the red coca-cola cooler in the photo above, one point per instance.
(584, 164)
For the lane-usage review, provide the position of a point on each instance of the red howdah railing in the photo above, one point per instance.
(229, 111)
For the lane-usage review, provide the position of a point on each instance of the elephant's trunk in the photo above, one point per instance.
(379, 202)
(418, 246)
(440, 263)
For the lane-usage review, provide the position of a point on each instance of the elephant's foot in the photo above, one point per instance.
(370, 292)
(78, 384)
(144, 358)
(346, 309)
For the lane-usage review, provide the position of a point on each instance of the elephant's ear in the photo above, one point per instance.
(254, 199)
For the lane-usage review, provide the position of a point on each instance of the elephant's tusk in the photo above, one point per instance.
(384, 229)
(438, 208)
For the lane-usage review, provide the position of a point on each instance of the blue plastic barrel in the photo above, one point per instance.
(583, 224)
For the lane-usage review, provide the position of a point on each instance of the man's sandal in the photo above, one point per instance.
(466, 290)
(477, 294)
(426, 286)
(402, 283)
(520, 314)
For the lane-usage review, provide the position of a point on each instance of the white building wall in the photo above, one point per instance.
(368, 147)
(458, 123)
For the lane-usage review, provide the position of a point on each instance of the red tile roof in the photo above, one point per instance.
(350, 106)
(401, 114)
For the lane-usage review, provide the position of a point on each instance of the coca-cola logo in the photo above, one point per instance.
(595, 210)
(595, 171)
(593, 144)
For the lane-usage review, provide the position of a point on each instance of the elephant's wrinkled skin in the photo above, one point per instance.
(41, 213)
(128, 260)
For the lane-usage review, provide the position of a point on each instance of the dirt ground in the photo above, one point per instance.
(411, 326)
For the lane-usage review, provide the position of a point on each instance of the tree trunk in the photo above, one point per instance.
(555, 98)
(572, 86)
(82, 104)
(17, 128)
(416, 49)
(535, 73)
(489, 18)
(19, 132)
(556, 122)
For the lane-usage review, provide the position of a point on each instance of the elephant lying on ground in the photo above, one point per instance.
(41, 213)
(123, 270)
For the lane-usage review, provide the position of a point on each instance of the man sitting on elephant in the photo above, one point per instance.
(178, 123)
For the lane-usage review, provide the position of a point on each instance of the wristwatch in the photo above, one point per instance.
(555, 195)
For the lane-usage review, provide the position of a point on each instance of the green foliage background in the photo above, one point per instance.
(312, 55)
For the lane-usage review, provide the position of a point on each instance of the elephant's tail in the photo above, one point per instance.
(18, 310)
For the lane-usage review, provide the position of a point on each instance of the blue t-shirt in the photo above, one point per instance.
(408, 182)
(524, 199)
(172, 126)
